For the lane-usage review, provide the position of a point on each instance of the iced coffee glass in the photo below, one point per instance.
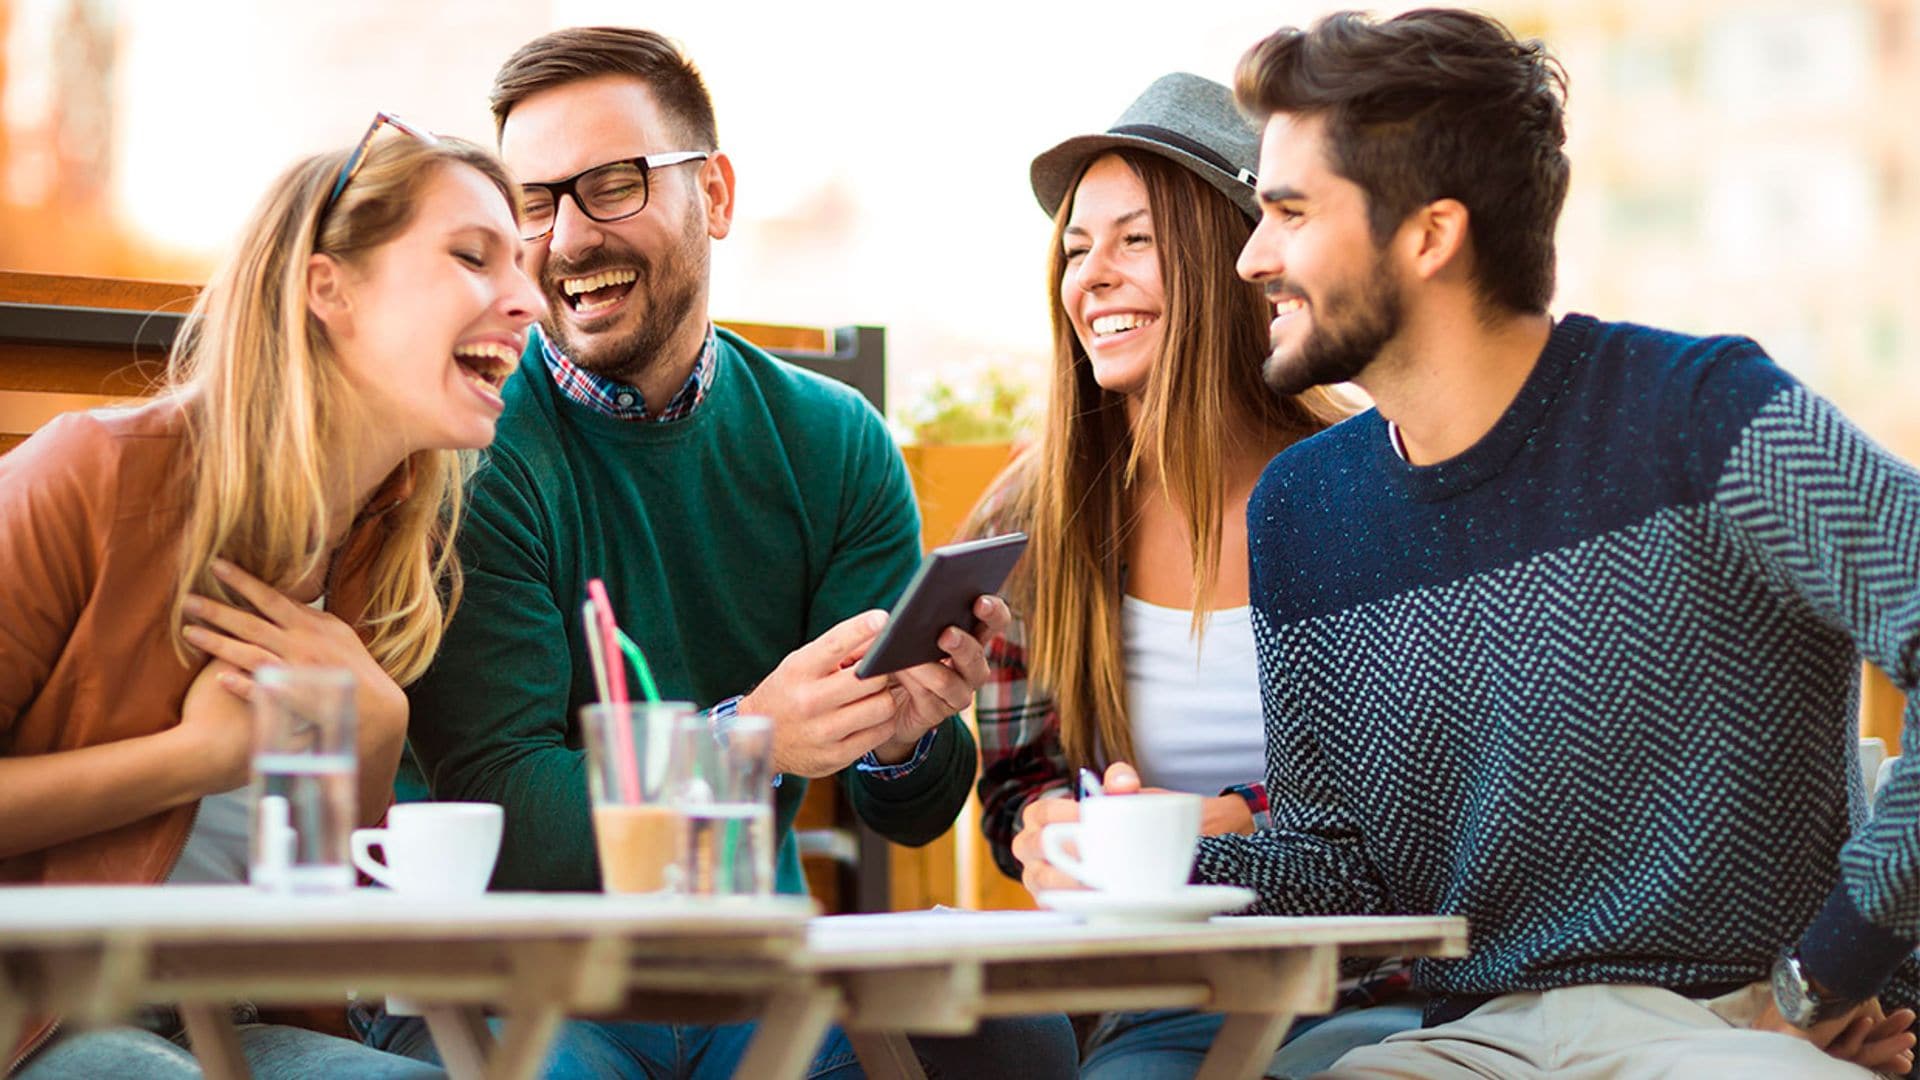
(630, 765)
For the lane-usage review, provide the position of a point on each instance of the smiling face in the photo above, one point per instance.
(621, 295)
(1336, 297)
(1110, 289)
(427, 326)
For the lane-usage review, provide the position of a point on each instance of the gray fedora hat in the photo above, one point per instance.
(1184, 118)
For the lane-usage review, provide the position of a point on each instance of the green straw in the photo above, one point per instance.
(639, 661)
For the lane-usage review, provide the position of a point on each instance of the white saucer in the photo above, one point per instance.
(1192, 903)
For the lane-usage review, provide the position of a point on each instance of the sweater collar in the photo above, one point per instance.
(1524, 416)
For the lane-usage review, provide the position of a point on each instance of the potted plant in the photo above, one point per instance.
(956, 439)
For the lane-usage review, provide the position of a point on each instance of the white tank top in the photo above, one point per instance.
(1194, 708)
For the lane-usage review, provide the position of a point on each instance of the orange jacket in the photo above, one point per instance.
(92, 508)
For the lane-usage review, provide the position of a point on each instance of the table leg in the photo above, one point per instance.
(460, 1034)
(886, 1055)
(525, 1042)
(788, 1035)
(1244, 1046)
(215, 1043)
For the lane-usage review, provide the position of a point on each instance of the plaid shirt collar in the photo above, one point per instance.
(623, 402)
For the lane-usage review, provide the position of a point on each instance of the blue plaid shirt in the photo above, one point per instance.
(609, 397)
(622, 402)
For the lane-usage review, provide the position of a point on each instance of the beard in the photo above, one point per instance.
(669, 287)
(1350, 327)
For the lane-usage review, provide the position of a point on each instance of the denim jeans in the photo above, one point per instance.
(1169, 1044)
(1030, 1047)
(273, 1052)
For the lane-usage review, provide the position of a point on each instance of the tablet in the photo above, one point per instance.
(940, 595)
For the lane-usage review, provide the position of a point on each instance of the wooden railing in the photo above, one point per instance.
(51, 359)
(78, 342)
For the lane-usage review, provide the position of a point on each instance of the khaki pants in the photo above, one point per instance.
(1595, 1032)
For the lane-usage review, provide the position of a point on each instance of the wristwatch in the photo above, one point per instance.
(1800, 1000)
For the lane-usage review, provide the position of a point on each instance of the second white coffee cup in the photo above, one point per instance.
(433, 849)
(1129, 843)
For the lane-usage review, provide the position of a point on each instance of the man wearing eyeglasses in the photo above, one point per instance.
(747, 517)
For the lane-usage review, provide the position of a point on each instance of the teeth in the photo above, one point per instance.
(576, 286)
(483, 350)
(486, 362)
(1113, 324)
(1288, 306)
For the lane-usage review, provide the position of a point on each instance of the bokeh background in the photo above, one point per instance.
(1738, 166)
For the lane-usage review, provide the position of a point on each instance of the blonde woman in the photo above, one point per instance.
(1133, 641)
(289, 498)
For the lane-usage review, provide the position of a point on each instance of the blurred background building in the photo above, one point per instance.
(1739, 165)
(1752, 166)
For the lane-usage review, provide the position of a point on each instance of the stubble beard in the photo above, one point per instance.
(669, 290)
(1350, 327)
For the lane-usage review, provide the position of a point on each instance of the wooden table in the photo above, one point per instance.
(93, 954)
(941, 973)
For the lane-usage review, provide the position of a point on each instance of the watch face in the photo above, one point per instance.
(1790, 992)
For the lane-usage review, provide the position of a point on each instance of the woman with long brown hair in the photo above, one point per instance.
(1132, 639)
(290, 497)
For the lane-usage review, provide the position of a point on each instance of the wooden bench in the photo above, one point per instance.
(71, 343)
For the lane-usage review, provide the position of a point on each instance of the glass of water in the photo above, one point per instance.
(305, 780)
(724, 789)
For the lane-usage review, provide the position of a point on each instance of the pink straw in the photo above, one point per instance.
(616, 690)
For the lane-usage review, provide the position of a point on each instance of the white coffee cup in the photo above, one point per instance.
(1136, 844)
(434, 849)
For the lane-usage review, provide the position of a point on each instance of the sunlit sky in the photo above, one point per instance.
(881, 148)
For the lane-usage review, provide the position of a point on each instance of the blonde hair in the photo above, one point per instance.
(262, 392)
(1203, 401)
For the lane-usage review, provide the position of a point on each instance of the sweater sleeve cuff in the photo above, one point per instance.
(933, 758)
(1849, 956)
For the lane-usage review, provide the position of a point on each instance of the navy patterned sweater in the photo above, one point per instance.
(1594, 682)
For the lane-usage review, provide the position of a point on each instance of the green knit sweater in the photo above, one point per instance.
(727, 540)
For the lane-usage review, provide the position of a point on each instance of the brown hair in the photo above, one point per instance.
(587, 52)
(1434, 104)
(256, 368)
(1071, 490)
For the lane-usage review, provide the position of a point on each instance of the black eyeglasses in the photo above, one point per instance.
(358, 158)
(611, 192)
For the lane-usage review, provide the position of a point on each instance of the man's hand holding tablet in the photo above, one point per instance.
(828, 713)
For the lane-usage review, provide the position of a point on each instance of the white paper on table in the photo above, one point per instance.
(944, 922)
